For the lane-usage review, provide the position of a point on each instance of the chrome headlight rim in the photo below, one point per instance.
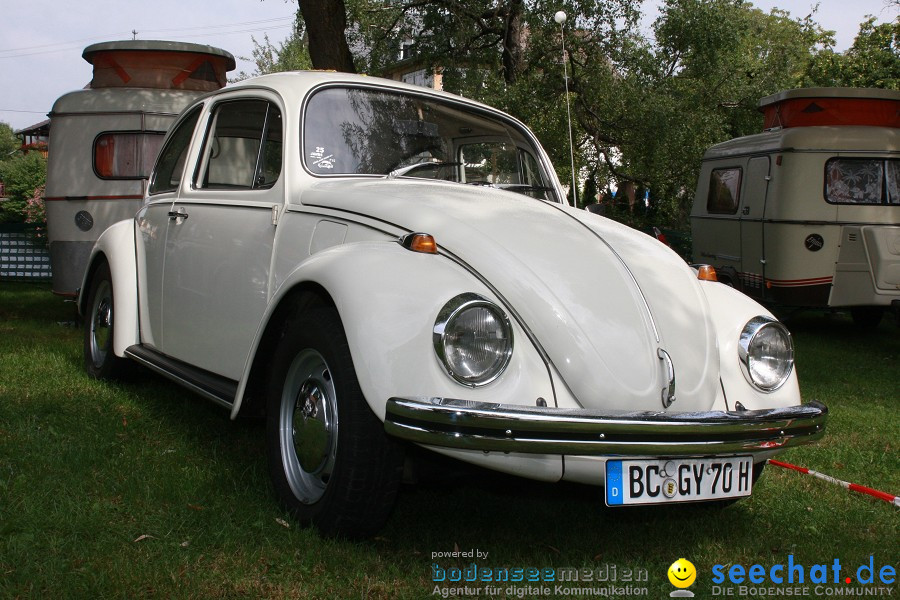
(448, 313)
(749, 334)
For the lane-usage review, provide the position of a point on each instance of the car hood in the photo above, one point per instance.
(600, 298)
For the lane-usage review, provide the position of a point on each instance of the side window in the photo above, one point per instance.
(126, 155)
(242, 149)
(170, 164)
(860, 180)
(724, 191)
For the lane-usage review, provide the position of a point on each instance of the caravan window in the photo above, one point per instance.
(126, 155)
(724, 191)
(862, 181)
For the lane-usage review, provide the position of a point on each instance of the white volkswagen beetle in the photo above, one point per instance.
(375, 264)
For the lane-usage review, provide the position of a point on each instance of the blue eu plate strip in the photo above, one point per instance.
(614, 488)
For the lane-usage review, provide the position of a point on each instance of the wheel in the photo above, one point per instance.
(867, 317)
(331, 463)
(99, 360)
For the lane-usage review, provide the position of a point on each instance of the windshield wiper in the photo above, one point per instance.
(428, 163)
(522, 187)
(513, 187)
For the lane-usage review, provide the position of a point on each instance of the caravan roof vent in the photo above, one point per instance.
(158, 64)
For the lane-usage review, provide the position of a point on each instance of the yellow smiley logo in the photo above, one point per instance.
(682, 573)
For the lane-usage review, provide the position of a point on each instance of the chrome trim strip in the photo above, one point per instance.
(488, 426)
(625, 266)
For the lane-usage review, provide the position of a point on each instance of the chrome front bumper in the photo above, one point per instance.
(487, 426)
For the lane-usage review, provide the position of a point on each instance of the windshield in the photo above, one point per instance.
(359, 131)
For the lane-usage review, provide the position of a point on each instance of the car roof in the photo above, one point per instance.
(294, 85)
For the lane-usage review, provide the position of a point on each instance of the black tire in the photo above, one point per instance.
(867, 317)
(99, 360)
(330, 460)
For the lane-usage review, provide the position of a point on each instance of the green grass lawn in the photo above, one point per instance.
(140, 489)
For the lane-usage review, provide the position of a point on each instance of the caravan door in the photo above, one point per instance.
(752, 211)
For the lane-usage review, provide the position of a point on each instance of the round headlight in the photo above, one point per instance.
(473, 339)
(766, 352)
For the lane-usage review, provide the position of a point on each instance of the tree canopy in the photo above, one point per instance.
(9, 143)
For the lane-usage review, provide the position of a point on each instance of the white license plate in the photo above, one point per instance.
(657, 481)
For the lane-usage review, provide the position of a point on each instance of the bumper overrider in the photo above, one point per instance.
(487, 426)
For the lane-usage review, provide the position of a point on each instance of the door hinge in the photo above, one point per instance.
(275, 214)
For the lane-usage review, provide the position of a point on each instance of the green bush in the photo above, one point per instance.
(21, 175)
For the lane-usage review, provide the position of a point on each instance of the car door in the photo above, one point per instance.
(152, 222)
(218, 249)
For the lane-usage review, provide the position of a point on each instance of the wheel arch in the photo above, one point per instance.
(116, 247)
(304, 295)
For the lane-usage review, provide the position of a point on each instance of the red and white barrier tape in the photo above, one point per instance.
(895, 500)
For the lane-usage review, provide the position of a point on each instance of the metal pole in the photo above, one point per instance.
(560, 18)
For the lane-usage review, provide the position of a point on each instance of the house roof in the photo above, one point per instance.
(38, 129)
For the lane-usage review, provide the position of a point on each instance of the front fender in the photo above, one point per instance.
(730, 311)
(388, 298)
(116, 247)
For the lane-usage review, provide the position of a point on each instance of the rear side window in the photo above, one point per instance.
(242, 149)
(126, 155)
(724, 191)
(862, 181)
(170, 164)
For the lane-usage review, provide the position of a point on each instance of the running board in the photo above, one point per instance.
(220, 390)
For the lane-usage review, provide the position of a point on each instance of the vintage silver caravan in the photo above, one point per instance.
(807, 213)
(104, 139)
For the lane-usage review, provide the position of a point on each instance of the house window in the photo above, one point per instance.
(126, 155)
(421, 77)
(862, 181)
(724, 191)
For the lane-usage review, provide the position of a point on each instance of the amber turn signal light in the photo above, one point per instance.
(707, 273)
(419, 242)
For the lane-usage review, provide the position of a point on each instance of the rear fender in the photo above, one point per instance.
(116, 247)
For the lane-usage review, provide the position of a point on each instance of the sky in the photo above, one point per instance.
(41, 40)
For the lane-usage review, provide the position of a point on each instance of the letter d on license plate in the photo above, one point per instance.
(656, 481)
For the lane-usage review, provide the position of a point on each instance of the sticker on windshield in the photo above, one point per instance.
(320, 159)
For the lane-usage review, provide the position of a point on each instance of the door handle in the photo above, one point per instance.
(180, 214)
(668, 392)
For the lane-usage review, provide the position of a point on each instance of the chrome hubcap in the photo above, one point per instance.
(308, 426)
(101, 323)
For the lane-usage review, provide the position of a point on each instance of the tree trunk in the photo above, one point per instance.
(325, 25)
(514, 40)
